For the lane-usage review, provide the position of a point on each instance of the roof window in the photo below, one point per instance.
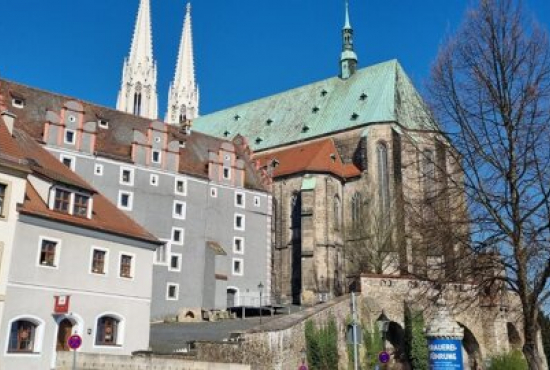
(324, 92)
(269, 122)
(237, 117)
(103, 123)
(354, 116)
(315, 110)
(363, 97)
(305, 129)
(259, 140)
(18, 103)
(227, 133)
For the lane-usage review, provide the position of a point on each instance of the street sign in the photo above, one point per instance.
(384, 357)
(74, 342)
(445, 354)
(303, 367)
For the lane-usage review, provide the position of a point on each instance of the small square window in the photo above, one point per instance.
(178, 235)
(3, 188)
(154, 180)
(256, 201)
(175, 262)
(62, 201)
(156, 156)
(239, 199)
(238, 266)
(126, 266)
(239, 222)
(68, 161)
(180, 186)
(49, 253)
(226, 173)
(81, 203)
(98, 170)
(127, 176)
(213, 192)
(179, 210)
(70, 137)
(125, 200)
(172, 291)
(161, 253)
(99, 261)
(238, 245)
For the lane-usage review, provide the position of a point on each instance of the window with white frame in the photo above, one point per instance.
(103, 123)
(172, 291)
(70, 137)
(213, 192)
(18, 103)
(126, 265)
(24, 336)
(178, 235)
(256, 201)
(175, 262)
(98, 169)
(99, 261)
(127, 176)
(180, 186)
(161, 254)
(156, 156)
(68, 161)
(80, 205)
(109, 331)
(49, 252)
(154, 180)
(239, 222)
(238, 245)
(77, 204)
(179, 210)
(3, 195)
(125, 200)
(238, 266)
(226, 173)
(239, 199)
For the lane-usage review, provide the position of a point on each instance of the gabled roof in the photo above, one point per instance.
(319, 156)
(379, 93)
(106, 217)
(116, 141)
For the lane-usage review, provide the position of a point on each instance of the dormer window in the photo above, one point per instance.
(76, 204)
(62, 201)
(305, 129)
(269, 122)
(354, 116)
(156, 156)
(18, 103)
(363, 97)
(324, 92)
(237, 117)
(70, 137)
(315, 110)
(259, 140)
(81, 205)
(226, 133)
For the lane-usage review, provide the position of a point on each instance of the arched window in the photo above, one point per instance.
(337, 213)
(108, 331)
(296, 215)
(383, 177)
(137, 104)
(183, 114)
(428, 168)
(23, 336)
(356, 209)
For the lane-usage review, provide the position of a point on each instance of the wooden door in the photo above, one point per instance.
(63, 334)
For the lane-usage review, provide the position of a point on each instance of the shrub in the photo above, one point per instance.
(509, 361)
(322, 345)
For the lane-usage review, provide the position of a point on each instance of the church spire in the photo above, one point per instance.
(183, 96)
(348, 58)
(138, 93)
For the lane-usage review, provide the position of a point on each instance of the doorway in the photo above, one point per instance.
(65, 330)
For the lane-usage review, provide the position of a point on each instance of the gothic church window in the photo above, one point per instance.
(337, 213)
(296, 215)
(383, 177)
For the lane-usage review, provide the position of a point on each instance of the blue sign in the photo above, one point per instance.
(384, 357)
(445, 354)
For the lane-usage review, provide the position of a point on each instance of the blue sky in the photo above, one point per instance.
(244, 49)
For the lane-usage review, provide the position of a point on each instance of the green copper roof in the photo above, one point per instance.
(379, 93)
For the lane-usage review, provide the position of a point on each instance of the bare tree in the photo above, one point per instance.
(490, 89)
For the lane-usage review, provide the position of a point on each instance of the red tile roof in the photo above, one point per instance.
(316, 156)
(105, 216)
(9, 150)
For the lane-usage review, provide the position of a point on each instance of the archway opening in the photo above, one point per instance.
(64, 331)
(471, 350)
(231, 295)
(189, 315)
(395, 340)
(513, 336)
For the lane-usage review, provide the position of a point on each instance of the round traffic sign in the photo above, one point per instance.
(303, 367)
(74, 341)
(384, 357)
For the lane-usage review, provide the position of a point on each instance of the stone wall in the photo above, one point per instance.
(277, 344)
(146, 362)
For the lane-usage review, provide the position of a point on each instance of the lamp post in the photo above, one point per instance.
(303, 355)
(260, 288)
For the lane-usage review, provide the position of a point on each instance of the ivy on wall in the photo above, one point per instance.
(415, 339)
(372, 340)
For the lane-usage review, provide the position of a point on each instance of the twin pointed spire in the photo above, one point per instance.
(183, 96)
(138, 93)
(348, 58)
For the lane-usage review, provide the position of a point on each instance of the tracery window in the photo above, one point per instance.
(383, 177)
(356, 209)
(337, 213)
(296, 215)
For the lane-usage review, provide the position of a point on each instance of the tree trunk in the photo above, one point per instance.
(533, 356)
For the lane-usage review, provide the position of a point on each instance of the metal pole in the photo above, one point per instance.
(355, 344)
(74, 359)
(260, 306)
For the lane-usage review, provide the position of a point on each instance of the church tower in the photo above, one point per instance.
(138, 94)
(348, 58)
(183, 96)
